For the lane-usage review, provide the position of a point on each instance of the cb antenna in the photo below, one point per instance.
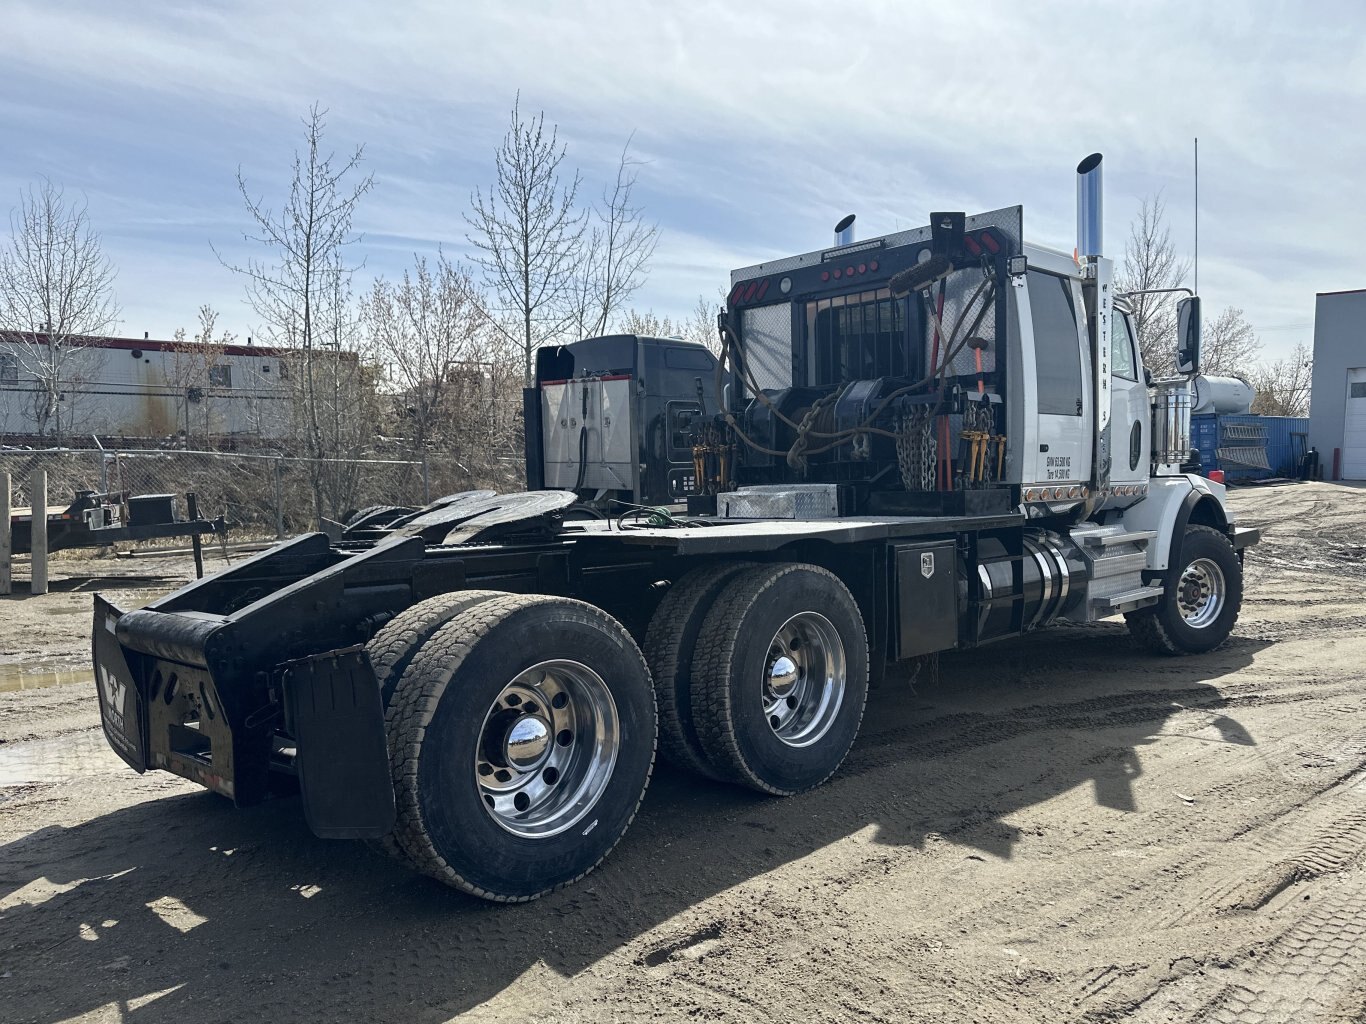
(1197, 215)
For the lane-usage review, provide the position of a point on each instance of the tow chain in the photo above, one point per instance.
(916, 450)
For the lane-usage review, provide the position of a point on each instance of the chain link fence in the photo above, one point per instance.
(259, 494)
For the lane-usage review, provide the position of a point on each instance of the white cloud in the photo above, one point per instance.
(761, 123)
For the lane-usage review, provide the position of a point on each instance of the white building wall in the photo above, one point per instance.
(1335, 416)
(119, 387)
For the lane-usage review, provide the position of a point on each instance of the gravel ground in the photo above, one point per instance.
(1059, 828)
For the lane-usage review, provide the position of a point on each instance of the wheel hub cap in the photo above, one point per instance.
(527, 743)
(547, 749)
(1200, 593)
(782, 676)
(804, 679)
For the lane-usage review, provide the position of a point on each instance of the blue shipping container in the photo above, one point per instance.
(1248, 447)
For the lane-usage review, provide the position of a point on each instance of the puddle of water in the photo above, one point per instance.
(55, 760)
(36, 675)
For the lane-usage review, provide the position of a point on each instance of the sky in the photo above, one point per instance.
(758, 124)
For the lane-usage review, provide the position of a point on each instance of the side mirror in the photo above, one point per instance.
(1188, 336)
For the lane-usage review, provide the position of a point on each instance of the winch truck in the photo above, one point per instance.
(910, 444)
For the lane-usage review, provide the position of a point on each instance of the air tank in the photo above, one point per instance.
(1223, 395)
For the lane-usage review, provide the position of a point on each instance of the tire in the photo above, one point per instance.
(736, 697)
(393, 648)
(670, 646)
(455, 732)
(374, 517)
(1201, 598)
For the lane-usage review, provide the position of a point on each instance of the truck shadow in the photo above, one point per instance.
(183, 907)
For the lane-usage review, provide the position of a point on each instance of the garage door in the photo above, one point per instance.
(1354, 436)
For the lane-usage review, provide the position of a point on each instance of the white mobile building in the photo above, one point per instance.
(142, 388)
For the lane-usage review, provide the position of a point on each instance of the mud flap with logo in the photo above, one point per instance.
(337, 720)
(123, 705)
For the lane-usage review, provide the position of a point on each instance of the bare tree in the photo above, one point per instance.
(616, 255)
(1150, 262)
(699, 325)
(648, 323)
(56, 285)
(301, 290)
(1283, 386)
(1228, 344)
(529, 234)
(425, 332)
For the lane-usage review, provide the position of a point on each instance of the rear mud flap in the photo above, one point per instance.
(123, 713)
(337, 720)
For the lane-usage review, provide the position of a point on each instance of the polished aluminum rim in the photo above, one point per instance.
(547, 749)
(1200, 593)
(804, 679)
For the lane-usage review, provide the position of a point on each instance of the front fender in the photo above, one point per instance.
(1173, 502)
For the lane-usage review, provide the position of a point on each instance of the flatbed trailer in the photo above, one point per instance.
(97, 520)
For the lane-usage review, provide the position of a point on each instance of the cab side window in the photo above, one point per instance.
(1122, 361)
(1057, 345)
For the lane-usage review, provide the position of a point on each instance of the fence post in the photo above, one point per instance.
(5, 520)
(37, 491)
(196, 542)
(279, 498)
(426, 481)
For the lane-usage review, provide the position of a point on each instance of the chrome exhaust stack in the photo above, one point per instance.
(1089, 207)
(844, 231)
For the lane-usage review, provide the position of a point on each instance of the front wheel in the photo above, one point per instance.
(1200, 599)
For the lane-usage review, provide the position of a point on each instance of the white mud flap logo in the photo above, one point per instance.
(115, 697)
(927, 564)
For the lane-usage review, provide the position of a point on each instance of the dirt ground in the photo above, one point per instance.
(1055, 829)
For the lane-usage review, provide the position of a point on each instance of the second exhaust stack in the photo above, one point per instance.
(1089, 207)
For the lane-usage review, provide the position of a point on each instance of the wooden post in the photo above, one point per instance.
(37, 497)
(5, 533)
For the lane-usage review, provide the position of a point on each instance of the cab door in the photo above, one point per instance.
(1062, 370)
(1130, 423)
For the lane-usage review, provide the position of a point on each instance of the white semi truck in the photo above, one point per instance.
(915, 443)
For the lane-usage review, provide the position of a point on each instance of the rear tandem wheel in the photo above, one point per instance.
(670, 649)
(780, 678)
(521, 740)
